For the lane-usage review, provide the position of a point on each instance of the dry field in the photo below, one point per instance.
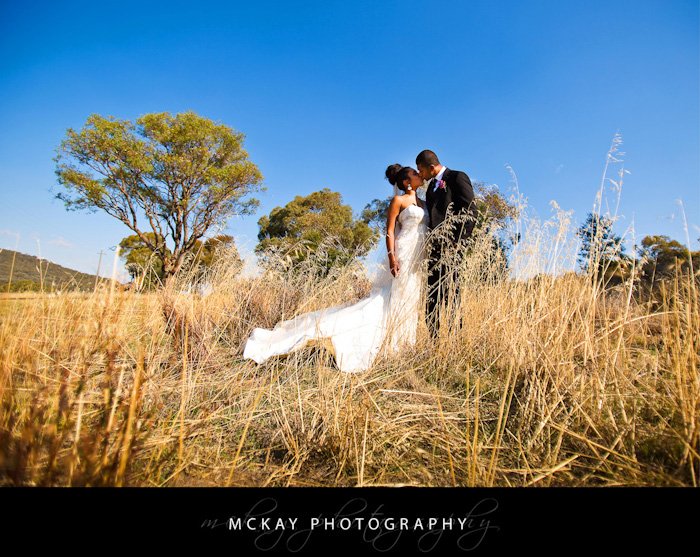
(552, 380)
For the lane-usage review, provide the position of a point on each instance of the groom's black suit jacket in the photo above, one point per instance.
(458, 191)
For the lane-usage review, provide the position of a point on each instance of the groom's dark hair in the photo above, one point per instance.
(427, 158)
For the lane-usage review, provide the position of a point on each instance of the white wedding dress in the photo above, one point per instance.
(384, 320)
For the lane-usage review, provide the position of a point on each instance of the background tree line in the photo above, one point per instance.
(658, 258)
(174, 181)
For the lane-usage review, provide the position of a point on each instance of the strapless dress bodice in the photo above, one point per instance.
(412, 217)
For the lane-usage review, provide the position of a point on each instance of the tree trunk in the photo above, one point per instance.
(171, 266)
(168, 270)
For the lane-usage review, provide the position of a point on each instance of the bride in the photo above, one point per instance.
(388, 317)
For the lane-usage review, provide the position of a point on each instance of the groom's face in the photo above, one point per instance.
(426, 172)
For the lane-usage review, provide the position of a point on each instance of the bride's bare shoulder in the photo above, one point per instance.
(397, 203)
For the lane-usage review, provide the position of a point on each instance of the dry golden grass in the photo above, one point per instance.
(553, 380)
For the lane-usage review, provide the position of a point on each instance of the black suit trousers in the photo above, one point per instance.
(443, 287)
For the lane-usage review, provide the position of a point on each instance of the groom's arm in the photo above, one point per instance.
(463, 197)
(463, 192)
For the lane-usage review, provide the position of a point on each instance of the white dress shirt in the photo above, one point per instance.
(438, 178)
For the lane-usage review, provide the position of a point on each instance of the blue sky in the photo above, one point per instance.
(329, 93)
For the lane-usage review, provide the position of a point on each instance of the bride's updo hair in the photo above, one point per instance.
(396, 174)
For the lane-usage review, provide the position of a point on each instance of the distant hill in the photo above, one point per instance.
(25, 275)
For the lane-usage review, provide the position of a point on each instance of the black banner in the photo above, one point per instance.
(405, 521)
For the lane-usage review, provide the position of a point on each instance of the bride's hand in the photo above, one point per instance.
(394, 266)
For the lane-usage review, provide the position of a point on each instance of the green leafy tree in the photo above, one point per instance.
(375, 214)
(602, 253)
(141, 262)
(306, 225)
(661, 257)
(493, 210)
(170, 179)
(145, 267)
(210, 250)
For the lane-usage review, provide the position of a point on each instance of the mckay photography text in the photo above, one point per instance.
(269, 528)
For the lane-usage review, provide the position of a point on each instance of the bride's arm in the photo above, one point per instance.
(394, 209)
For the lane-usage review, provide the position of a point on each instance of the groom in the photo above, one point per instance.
(449, 191)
